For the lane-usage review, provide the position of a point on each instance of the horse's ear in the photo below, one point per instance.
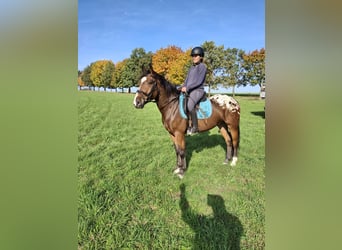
(148, 69)
(145, 70)
(151, 69)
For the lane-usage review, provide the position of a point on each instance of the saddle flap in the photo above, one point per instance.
(204, 109)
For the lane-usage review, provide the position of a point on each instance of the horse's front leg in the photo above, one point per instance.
(179, 145)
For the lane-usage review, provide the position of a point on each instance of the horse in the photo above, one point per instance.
(153, 87)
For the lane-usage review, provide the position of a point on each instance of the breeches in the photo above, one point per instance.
(194, 97)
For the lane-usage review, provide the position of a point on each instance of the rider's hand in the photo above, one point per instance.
(183, 89)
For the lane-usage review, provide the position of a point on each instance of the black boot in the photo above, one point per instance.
(194, 129)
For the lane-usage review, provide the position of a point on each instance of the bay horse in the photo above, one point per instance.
(153, 87)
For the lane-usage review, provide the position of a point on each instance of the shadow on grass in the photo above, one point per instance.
(259, 113)
(203, 140)
(220, 231)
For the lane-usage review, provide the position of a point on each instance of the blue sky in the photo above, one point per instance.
(112, 29)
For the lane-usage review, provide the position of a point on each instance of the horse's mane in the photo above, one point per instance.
(170, 88)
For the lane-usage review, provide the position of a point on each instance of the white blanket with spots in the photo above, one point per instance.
(226, 101)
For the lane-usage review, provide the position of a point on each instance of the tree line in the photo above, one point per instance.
(229, 67)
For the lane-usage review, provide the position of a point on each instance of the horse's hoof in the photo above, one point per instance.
(234, 161)
(177, 171)
(180, 176)
(225, 161)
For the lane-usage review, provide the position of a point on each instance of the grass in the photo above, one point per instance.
(129, 198)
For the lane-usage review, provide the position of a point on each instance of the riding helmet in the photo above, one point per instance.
(197, 51)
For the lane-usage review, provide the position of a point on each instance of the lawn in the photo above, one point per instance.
(130, 199)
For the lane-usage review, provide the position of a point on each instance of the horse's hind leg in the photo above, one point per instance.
(235, 135)
(227, 138)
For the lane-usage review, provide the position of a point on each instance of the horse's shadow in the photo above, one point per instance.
(220, 231)
(259, 113)
(202, 141)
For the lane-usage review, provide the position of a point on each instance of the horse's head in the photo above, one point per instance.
(148, 90)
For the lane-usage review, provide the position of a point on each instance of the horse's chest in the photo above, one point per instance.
(173, 124)
(167, 124)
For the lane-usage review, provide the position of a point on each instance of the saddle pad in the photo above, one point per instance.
(203, 112)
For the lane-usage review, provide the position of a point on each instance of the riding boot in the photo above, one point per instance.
(194, 128)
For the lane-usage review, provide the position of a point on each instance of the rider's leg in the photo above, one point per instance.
(193, 99)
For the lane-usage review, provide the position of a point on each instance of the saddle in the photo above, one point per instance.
(203, 108)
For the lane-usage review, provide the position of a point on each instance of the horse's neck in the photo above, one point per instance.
(165, 99)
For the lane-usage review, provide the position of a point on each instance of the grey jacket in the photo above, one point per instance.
(196, 77)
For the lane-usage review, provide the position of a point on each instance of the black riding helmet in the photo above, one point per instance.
(197, 51)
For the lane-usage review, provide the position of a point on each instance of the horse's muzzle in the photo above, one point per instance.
(138, 102)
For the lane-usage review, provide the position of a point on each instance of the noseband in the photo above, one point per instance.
(149, 95)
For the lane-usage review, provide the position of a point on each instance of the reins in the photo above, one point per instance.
(149, 95)
(175, 98)
(170, 101)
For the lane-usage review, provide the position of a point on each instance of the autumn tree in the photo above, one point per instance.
(164, 58)
(254, 64)
(118, 79)
(108, 74)
(179, 68)
(80, 83)
(229, 67)
(97, 71)
(101, 73)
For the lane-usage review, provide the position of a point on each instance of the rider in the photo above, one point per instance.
(194, 85)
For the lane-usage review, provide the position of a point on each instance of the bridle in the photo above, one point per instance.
(149, 95)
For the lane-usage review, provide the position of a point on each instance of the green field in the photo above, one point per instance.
(130, 199)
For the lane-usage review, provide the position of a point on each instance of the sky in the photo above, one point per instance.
(113, 29)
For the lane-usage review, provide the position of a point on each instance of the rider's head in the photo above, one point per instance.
(197, 54)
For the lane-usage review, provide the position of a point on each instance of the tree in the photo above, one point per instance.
(230, 67)
(85, 77)
(179, 68)
(214, 59)
(108, 74)
(234, 72)
(164, 58)
(101, 73)
(117, 79)
(254, 64)
(80, 83)
(132, 71)
(128, 76)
